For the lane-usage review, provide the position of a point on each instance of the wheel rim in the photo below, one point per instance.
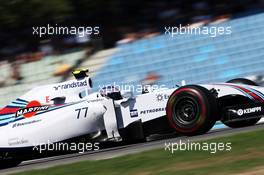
(186, 111)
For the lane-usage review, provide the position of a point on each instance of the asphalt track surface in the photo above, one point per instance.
(121, 150)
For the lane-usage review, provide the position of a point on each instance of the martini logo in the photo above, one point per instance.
(31, 109)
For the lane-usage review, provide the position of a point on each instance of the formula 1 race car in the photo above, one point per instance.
(70, 110)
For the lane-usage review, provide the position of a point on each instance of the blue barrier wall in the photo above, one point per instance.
(193, 58)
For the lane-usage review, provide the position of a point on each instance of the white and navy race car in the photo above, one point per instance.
(69, 110)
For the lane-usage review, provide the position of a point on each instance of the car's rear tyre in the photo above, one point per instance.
(242, 123)
(192, 110)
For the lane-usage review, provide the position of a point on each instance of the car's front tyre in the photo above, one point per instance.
(192, 110)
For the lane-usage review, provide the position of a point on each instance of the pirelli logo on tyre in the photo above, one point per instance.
(241, 112)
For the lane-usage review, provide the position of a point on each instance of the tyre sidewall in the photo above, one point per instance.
(206, 105)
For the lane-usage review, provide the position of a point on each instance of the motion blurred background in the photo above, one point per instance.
(132, 47)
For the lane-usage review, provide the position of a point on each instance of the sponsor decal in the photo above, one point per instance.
(17, 141)
(70, 85)
(241, 112)
(134, 113)
(47, 99)
(25, 123)
(31, 109)
(152, 110)
(162, 97)
(95, 100)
